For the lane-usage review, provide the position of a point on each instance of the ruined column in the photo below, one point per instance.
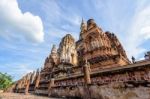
(27, 87)
(51, 84)
(37, 81)
(86, 68)
(27, 84)
(17, 87)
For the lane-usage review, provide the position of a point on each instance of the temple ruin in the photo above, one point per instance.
(76, 67)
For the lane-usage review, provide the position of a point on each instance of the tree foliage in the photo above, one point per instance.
(5, 81)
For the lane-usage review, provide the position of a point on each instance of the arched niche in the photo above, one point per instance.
(92, 41)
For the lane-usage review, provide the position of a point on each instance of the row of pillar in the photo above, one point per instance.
(87, 79)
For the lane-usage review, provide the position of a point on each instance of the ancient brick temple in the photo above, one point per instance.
(73, 69)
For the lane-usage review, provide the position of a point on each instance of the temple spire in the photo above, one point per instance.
(54, 49)
(83, 28)
(54, 55)
(82, 21)
(83, 25)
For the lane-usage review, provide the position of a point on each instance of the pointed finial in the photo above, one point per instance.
(82, 24)
(82, 20)
(54, 49)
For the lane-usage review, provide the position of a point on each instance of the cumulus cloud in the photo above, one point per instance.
(19, 25)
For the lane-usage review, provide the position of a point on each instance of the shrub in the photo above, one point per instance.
(5, 81)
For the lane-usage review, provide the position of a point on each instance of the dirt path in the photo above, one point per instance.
(21, 96)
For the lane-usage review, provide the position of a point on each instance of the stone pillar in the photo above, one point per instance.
(74, 58)
(17, 87)
(27, 87)
(37, 81)
(51, 84)
(27, 83)
(86, 68)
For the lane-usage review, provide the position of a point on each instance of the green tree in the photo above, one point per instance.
(5, 81)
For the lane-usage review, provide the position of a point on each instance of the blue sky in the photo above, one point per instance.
(28, 28)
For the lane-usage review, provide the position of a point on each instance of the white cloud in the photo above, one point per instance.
(56, 12)
(22, 70)
(146, 31)
(16, 70)
(130, 20)
(139, 32)
(60, 16)
(18, 25)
